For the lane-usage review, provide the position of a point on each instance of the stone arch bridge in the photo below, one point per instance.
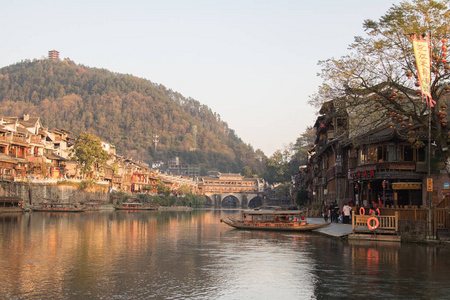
(234, 200)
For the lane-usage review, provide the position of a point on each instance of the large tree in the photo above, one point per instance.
(278, 167)
(377, 81)
(89, 153)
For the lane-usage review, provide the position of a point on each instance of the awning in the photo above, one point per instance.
(407, 186)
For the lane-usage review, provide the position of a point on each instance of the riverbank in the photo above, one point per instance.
(345, 231)
(175, 208)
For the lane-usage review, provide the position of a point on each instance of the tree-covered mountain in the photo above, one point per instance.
(126, 111)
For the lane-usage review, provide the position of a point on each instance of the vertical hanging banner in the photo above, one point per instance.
(422, 54)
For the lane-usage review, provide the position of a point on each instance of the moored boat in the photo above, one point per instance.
(276, 220)
(58, 207)
(131, 206)
(10, 204)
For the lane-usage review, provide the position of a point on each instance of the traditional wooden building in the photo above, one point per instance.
(327, 165)
(230, 183)
(386, 165)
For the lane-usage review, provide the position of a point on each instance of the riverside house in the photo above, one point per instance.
(31, 152)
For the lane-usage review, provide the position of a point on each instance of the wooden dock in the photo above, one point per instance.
(375, 228)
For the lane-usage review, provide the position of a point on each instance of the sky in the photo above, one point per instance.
(252, 62)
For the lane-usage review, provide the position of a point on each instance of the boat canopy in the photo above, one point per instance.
(276, 213)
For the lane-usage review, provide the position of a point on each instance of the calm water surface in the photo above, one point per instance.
(179, 255)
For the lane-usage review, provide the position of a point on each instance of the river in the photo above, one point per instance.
(191, 255)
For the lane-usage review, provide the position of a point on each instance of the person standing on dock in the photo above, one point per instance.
(325, 212)
(346, 211)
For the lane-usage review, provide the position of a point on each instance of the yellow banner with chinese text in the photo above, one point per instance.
(422, 55)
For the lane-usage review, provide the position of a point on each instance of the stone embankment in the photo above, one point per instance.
(33, 193)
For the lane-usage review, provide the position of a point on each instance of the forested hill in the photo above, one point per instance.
(126, 111)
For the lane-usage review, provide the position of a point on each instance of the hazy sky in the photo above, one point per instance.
(252, 62)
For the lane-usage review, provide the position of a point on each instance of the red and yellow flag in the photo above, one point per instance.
(422, 54)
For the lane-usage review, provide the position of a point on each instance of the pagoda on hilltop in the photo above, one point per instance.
(53, 55)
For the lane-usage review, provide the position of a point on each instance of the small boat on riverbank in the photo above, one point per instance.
(10, 204)
(134, 206)
(275, 220)
(58, 207)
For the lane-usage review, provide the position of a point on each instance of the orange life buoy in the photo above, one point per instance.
(362, 211)
(377, 223)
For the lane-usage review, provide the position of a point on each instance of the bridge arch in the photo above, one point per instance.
(231, 201)
(255, 202)
(208, 202)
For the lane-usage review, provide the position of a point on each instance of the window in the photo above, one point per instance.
(421, 154)
(372, 156)
(381, 153)
(408, 153)
(392, 153)
(363, 155)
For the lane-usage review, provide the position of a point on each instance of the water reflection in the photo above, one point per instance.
(178, 255)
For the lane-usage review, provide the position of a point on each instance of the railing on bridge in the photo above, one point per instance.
(387, 224)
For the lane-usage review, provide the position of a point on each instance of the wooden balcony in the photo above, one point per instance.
(387, 166)
(21, 140)
(5, 138)
(35, 140)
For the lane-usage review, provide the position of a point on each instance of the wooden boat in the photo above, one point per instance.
(58, 207)
(287, 220)
(10, 204)
(135, 206)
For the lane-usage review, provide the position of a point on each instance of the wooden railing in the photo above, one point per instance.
(19, 139)
(411, 213)
(35, 140)
(441, 218)
(444, 203)
(387, 224)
